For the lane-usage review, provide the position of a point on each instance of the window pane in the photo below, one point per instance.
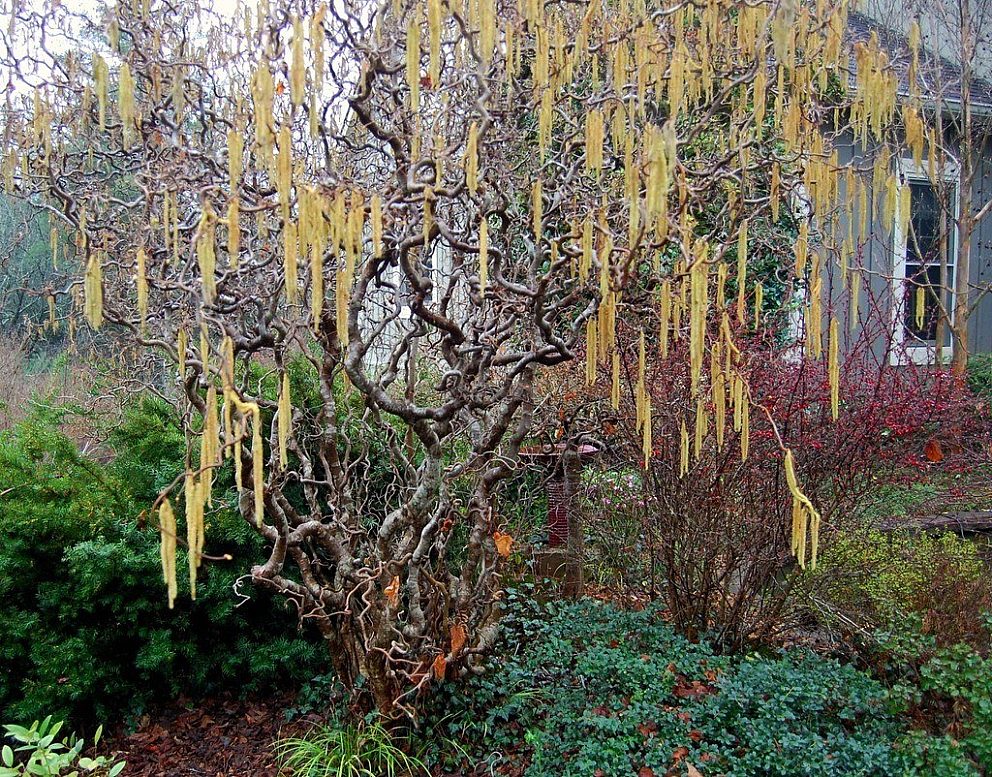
(923, 264)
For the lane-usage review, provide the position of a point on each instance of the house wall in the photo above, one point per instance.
(877, 253)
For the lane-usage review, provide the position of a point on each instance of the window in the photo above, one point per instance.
(917, 264)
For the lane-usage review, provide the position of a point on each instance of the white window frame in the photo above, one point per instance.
(917, 352)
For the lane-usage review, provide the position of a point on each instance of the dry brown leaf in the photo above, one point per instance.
(503, 543)
(392, 590)
(439, 666)
(933, 451)
(457, 638)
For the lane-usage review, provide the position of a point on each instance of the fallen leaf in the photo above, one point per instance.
(645, 771)
(933, 451)
(503, 543)
(439, 666)
(692, 771)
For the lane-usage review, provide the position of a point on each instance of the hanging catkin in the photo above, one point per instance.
(487, 30)
(93, 291)
(434, 20)
(285, 420)
(235, 150)
(257, 465)
(413, 61)
(741, 272)
(194, 527)
(167, 530)
(483, 254)
(209, 444)
(141, 281)
(376, 216)
(806, 520)
(472, 159)
(125, 97)
(684, 451)
(233, 232)
(297, 70)
(100, 74)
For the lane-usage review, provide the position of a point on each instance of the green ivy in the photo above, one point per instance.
(585, 689)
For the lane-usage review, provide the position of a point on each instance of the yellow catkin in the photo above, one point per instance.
(297, 70)
(434, 20)
(684, 451)
(376, 216)
(167, 529)
(758, 303)
(413, 61)
(702, 423)
(206, 256)
(833, 367)
(100, 75)
(585, 262)
(487, 30)
(920, 305)
(93, 291)
(235, 151)
(284, 171)
(741, 272)
(285, 420)
(483, 254)
(125, 99)
(257, 465)
(209, 443)
(233, 232)
(806, 520)
(141, 282)
(194, 527)
(472, 159)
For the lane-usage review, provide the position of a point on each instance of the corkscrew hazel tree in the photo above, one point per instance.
(430, 203)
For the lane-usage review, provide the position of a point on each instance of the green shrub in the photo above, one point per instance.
(585, 687)
(883, 580)
(980, 375)
(86, 632)
(963, 679)
(38, 751)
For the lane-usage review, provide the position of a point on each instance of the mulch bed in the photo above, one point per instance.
(222, 737)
